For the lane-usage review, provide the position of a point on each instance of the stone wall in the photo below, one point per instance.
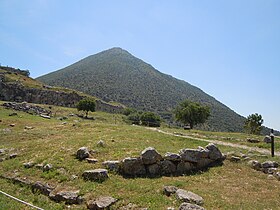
(18, 93)
(152, 164)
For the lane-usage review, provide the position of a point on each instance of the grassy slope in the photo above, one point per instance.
(231, 186)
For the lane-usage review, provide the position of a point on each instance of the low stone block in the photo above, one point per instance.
(98, 175)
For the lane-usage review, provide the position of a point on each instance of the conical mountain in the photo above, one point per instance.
(116, 75)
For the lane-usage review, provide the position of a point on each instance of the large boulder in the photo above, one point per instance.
(154, 170)
(101, 203)
(112, 165)
(133, 167)
(191, 155)
(269, 164)
(184, 167)
(82, 153)
(214, 152)
(189, 197)
(167, 167)
(172, 157)
(150, 156)
(98, 175)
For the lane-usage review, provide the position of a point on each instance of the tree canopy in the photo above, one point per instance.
(86, 105)
(253, 123)
(191, 113)
(150, 119)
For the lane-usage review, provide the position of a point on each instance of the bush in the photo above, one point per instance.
(150, 119)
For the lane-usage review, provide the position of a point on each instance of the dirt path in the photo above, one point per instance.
(255, 149)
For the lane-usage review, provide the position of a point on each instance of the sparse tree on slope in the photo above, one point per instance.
(253, 123)
(86, 105)
(191, 113)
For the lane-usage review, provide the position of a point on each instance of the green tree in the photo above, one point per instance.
(191, 113)
(134, 118)
(86, 105)
(253, 123)
(150, 119)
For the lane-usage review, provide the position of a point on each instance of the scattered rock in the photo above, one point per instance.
(255, 164)
(168, 190)
(47, 167)
(2, 151)
(277, 175)
(74, 177)
(44, 189)
(82, 153)
(101, 143)
(98, 175)
(69, 197)
(235, 159)
(13, 114)
(45, 116)
(189, 206)
(39, 166)
(189, 197)
(267, 139)
(101, 203)
(12, 125)
(28, 127)
(253, 140)
(91, 160)
(29, 164)
(270, 177)
(132, 206)
(112, 165)
(6, 130)
(14, 155)
(150, 156)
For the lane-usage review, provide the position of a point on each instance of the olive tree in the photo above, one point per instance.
(86, 105)
(191, 113)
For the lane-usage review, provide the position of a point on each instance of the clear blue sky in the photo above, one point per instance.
(230, 49)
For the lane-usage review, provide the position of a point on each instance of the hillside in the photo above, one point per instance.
(116, 75)
(16, 85)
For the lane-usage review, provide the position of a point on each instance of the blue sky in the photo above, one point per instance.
(230, 49)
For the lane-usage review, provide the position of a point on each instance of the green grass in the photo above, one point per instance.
(231, 186)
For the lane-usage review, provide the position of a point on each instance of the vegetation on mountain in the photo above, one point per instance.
(191, 113)
(253, 123)
(116, 75)
(86, 105)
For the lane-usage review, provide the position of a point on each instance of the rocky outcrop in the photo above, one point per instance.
(16, 92)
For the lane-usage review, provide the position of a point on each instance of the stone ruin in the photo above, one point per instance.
(152, 164)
